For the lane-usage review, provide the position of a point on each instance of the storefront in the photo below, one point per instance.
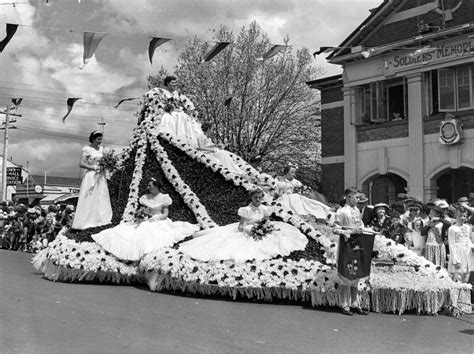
(37, 191)
(404, 104)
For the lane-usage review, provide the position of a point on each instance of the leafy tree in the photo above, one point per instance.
(256, 107)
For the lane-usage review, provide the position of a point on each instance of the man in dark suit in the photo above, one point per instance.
(396, 230)
(366, 211)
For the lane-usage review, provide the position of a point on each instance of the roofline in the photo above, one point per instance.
(373, 15)
(421, 39)
(329, 81)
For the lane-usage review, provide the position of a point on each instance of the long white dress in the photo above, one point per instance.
(93, 206)
(130, 241)
(178, 122)
(222, 156)
(300, 204)
(227, 242)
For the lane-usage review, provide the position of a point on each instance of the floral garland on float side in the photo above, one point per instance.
(299, 275)
(132, 202)
(172, 175)
(67, 260)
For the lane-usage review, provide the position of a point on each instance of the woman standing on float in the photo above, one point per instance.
(93, 206)
(176, 119)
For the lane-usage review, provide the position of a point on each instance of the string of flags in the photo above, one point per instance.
(91, 41)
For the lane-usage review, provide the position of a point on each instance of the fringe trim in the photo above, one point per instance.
(69, 275)
(428, 302)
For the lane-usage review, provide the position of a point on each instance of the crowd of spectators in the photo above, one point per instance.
(439, 231)
(30, 229)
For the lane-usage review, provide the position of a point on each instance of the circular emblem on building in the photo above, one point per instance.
(450, 130)
(38, 188)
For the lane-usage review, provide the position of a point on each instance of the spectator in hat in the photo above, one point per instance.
(15, 230)
(366, 210)
(396, 231)
(466, 204)
(460, 246)
(435, 249)
(381, 222)
(414, 240)
(413, 212)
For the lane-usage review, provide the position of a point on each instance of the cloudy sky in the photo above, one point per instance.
(41, 63)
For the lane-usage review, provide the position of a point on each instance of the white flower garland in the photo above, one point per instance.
(172, 175)
(132, 202)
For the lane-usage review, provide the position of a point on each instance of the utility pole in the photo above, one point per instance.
(5, 148)
(5, 151)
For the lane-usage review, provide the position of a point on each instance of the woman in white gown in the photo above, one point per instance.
(176, 118)
(235, 241)
(93, 205)
(130, 241)
(295, 202)
(221, 155)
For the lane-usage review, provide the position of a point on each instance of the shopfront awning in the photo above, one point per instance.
(58, 198)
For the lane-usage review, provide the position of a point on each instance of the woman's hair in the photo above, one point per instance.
(350, 190)
(206, 126)
(154, 181)
(287, 169)
(256, 191)
(168, 79)
(94, 135)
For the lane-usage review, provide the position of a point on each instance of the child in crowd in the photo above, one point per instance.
(435, 249)
(414, 240)
(396, 231)
(460, 247)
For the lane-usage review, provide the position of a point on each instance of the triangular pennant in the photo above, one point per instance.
(125, 99)
(322, 50)
(91, 42)
(70, 103)
(272, 52)
(11, 29)
(17, 101)
(219, 47)
(155, 43)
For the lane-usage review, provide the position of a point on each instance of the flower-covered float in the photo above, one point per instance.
(205, 192)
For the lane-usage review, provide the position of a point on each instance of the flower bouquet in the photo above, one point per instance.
(108, 162)
(303, 190)
(261, 229)
(143, 213)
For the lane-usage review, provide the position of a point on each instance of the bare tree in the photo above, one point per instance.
(256, 107)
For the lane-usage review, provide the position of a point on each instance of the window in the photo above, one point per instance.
(455, 88)
(380, 101)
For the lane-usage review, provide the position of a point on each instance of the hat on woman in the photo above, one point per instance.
(381, 205)
(437, 209)
(361, 198)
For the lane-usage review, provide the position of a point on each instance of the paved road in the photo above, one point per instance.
(40, 316)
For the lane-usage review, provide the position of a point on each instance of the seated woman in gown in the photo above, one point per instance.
(295, 202)
(130, 241)
(222, 156)
(178, 117)
(238, 241)
(93, 205)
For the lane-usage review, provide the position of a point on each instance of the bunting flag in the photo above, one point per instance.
(70, 103)
(155, 43)
(277, 48)
(91, 42)
(125, 99)
(11, 29)
(322, 50)
(219, 47)
(17, 101)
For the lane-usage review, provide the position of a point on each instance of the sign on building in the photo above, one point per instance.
(14, 176)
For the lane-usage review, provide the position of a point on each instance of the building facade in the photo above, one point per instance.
(400, 119)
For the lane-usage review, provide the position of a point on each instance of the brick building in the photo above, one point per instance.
(401, 116)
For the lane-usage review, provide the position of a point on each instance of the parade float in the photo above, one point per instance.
(205, 192)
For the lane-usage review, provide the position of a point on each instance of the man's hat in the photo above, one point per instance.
(394, 214)
(362, 198)
(437, 209)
